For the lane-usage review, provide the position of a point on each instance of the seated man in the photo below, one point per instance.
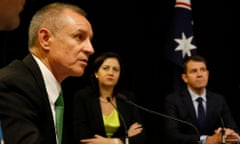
(209, 120)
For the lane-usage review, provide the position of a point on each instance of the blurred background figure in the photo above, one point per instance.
(10, 14)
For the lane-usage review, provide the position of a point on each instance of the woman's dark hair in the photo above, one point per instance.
(97, 64)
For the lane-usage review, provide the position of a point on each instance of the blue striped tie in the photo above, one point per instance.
(201, 114)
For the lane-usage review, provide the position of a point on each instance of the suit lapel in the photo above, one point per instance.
(187, 100)
(32, 66)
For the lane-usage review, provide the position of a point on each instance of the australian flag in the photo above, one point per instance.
(181, 42)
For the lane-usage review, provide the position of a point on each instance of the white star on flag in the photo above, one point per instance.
(181, 40)
(185, 45)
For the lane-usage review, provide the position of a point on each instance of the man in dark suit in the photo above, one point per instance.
(183, 105)
(60, 45)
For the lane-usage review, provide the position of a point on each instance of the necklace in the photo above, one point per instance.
(103, 100)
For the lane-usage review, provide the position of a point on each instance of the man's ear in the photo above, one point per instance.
(44, 38)
(184, 77)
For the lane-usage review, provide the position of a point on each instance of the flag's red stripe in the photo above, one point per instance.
(184, 4)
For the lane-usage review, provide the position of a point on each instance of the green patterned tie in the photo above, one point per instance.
(59, 107)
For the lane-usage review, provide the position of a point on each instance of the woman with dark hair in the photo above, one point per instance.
(99, 117)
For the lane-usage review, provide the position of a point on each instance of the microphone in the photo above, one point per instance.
(222, 131)
(124, 98)
(122, 119)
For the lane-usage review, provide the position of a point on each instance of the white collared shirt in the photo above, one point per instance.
(194, 97)
(53, 87)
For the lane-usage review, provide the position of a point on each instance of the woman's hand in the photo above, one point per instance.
(100, 140)
(135, 129)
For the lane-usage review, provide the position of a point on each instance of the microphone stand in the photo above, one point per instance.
(121, 117)
(223, 136)
(222, 132)
(124, 98)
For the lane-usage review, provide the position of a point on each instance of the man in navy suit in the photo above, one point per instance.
(182, 104)
(60, 46)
